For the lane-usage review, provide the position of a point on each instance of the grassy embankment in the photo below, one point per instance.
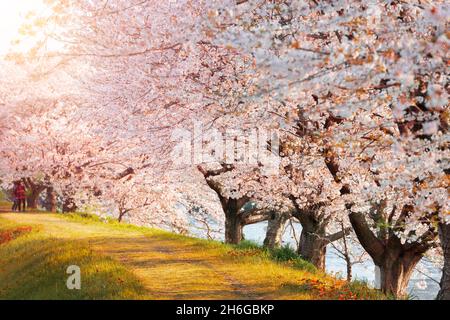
(121, 261)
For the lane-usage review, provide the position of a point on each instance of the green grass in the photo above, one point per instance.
(283, 254)
(34, 267)
(123, 261)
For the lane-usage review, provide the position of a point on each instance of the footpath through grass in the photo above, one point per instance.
(121, 261)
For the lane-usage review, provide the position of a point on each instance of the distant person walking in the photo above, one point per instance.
(20, 195)
(15, 205)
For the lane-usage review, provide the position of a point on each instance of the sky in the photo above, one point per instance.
(12, 16)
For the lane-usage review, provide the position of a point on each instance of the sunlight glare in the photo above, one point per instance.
(12, 15)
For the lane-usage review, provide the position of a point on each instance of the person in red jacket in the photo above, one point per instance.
(20, 195)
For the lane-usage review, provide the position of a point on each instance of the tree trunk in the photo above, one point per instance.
(34, 191)
(396, 271)
(121, 215)
(233, 228)
(234, 223)
(349, 270)
(33, 197)
(395, 260)
(313, 247)
(50, 201)
(231, 207)
(444, 235)
(275, 229)
(313, 241)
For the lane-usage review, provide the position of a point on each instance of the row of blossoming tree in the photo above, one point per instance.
(356, 91)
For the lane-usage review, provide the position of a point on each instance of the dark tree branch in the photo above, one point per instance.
(338, 235)
(369, 241)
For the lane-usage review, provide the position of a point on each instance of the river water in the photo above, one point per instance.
(420, 286)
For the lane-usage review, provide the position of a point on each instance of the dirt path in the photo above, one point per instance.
(168, 268)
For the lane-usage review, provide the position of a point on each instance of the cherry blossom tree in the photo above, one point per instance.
(357, 89)
(368, 78)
